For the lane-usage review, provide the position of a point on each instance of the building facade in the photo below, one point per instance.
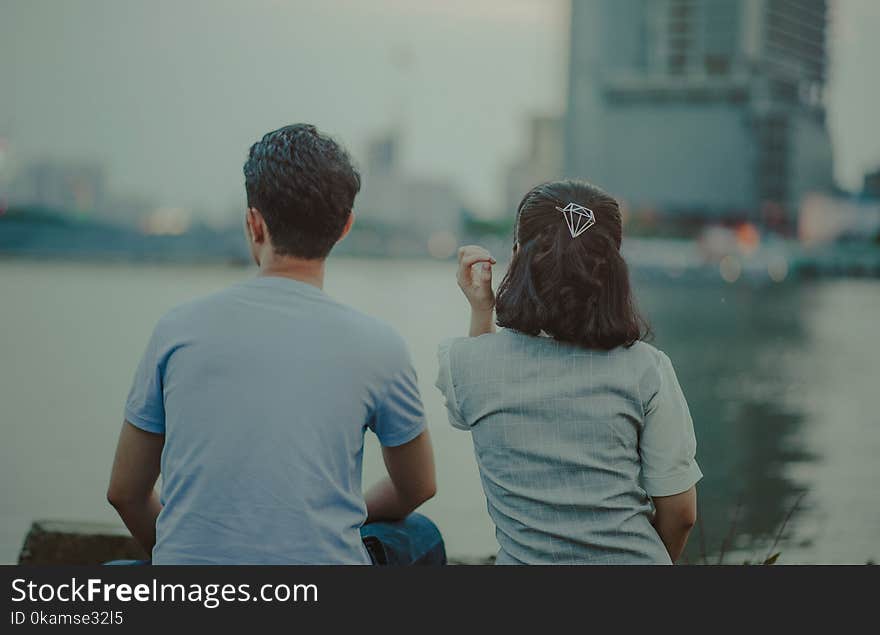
(543, 160)
(62, 186)
(705, 108)
(391, 196)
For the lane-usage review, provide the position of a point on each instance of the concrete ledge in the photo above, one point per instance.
(68, 542)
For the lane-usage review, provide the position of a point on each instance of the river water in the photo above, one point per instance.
(780, 378)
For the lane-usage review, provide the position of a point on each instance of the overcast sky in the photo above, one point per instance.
(170, 93)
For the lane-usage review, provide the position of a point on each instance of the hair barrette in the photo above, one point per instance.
(578, 218)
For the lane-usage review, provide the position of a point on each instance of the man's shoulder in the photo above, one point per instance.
(192, 315)
(356, 330)
(370, 332)
(363, 322)
(193, 308)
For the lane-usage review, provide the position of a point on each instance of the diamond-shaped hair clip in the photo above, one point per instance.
(578, 218)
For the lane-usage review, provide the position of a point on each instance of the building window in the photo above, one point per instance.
(717, 64)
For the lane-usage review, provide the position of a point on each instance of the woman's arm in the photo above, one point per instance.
(482, 322)
(674, 517)
(476, 284)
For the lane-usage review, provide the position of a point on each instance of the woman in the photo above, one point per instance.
(582, 435)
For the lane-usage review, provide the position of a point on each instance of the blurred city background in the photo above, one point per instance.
(739, 136)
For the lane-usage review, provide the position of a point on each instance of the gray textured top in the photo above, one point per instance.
(571, 444)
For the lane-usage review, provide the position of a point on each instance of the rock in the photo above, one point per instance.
(66, 542)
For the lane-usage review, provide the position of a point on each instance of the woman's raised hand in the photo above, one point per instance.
(475, 277)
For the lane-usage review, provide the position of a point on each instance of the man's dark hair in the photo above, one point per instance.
(575, 289)
(304, 184)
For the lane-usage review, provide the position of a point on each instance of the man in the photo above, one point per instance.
(253, 402)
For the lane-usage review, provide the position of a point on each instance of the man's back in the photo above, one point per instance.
(263, 392)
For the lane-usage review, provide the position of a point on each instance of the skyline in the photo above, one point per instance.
(156, 91)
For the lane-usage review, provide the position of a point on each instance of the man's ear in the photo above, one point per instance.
(347, 227)
(256, 226)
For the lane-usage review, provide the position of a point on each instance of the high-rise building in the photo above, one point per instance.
(542, 161)
(710, 108)
(871, 184)
(395, 198)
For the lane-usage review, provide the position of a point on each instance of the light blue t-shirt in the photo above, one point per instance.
(264, 392)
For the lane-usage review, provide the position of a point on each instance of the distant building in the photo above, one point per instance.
(425, 209)
(832, 218)
(710, 108)
(127, 208)
(60, 185)
(871, 187)
(545, 160)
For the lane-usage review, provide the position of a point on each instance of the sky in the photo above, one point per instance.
(169, 94)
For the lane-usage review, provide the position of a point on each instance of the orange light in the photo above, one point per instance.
(748, 238)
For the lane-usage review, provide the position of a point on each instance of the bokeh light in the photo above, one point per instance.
(730, 268)
(777, 269)
(442, 244)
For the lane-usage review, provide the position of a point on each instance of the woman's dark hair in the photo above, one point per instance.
(576, 290)
(304, 184)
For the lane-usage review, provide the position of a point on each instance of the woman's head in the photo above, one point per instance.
(575, 289)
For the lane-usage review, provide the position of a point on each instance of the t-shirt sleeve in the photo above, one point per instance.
(668, 446)
(399, 416)
(445, 384)
(145, 406)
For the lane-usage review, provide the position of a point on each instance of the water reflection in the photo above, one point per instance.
(737, 350)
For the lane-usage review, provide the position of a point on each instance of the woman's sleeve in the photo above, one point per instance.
(445, 384)
(667, 445)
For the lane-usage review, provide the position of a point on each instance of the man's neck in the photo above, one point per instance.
(308, 271)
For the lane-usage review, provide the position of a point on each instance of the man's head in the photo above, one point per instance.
(300, 191)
